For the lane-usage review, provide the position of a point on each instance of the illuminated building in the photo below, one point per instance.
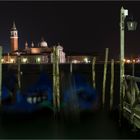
(39, 53)
(80, 58)
(14, 38)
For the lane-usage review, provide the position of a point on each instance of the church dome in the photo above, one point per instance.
(43, 43)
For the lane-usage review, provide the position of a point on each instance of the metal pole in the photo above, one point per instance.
(104, 76)
(0, 75)
(123, 14)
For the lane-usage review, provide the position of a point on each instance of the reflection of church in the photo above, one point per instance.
(39, 53)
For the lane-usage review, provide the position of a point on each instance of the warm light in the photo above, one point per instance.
(24, 60)
(38, 59)
(138, 61)
(128, 61)
(12, 60)
(2, 60)
(134, 60)
(86, 60)
(75, 61)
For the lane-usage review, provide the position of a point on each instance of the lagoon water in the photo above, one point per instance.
(99, 124)
(90, 123)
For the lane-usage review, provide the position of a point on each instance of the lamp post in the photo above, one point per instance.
(123, 14)
(131, 26)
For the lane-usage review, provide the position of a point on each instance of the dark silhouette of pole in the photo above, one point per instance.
(104, 77)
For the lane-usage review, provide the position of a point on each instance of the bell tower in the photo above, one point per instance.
(14, 38)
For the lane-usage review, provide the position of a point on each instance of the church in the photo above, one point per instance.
(40, 53)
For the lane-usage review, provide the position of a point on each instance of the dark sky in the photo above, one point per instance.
(84, 27)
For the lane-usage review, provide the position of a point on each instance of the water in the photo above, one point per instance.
(80, 121)
(99, 124)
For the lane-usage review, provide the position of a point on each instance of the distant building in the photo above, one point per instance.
(81, 57)
(40, 53)
(61, 54)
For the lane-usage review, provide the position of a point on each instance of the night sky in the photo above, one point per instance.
(80, 27)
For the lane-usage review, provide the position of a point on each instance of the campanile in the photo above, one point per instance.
(14, 38)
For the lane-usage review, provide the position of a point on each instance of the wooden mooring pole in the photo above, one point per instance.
(71, 67)
(93, 72)
(0, 75)
(104, 76)
(133, 68)
(19, 72)
(56, 83)
(57, 80)
(112, 84)
(54, 79)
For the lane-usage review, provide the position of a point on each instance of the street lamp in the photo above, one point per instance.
(131, 27)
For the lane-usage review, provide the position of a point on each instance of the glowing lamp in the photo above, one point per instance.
(128, 61)
(125, 12)
(12, 60)
(24, 60)
(2, 60)
(75, 61)
(86, 60)
(132, 25)
(134, 60)
(38, 59)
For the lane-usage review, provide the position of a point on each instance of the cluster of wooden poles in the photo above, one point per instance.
(56, 80)
(104, 78)
(56, 84)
